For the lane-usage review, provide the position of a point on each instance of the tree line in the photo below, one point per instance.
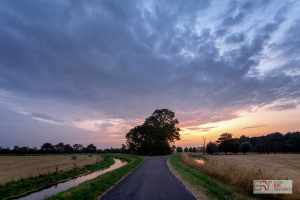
(270, 143)
(60, 148)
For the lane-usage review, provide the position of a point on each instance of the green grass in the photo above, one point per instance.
(213, 189)
(94, 188)
(26, 185)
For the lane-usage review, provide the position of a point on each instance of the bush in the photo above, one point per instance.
(211, 147)
(186, 149)
(246, 147)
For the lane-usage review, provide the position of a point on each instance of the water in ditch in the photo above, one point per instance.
(54, 189)
(201, 161)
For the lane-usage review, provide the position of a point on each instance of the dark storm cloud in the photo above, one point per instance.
(125, 59)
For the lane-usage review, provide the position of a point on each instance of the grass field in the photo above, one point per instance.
(281, 166)
(238, 171)
(16, 167)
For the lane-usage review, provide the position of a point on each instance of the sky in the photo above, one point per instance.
(89, 71)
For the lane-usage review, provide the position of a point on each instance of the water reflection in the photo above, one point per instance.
(54, 189)
(199, 160)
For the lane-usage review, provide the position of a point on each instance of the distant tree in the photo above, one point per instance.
(190, 149)
(16, 148)
(179, 149)
(243, 138)
(225, 142)
(59, 147)
(254, 141)
(32, 150)
(211, 147)
(259, 147)
(114, 150)
(194, 149)
(23, 150)
(81, 147)
(47, 147)
(68, 148)
(100, 151)
(246, 147)
(123, 148)
(91, 148)
(199, 149)
(106, 150)
(76, 147)
(235, 146)
(186, 149)
(5, 150)
(173, 148)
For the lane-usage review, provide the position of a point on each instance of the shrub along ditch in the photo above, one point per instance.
(30, 184)
(94, 188)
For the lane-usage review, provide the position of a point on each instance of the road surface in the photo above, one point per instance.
(151, 180)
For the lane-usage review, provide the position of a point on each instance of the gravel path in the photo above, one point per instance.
(151, 180)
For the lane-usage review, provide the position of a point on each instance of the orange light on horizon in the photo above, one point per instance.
(252, 124)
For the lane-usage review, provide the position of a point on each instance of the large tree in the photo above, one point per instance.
(155, 135)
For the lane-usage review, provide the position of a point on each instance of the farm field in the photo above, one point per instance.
(281, 166)
(16, 167)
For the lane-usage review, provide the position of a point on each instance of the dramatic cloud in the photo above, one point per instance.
(103, 66)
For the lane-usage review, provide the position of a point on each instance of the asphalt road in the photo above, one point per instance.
(151, 180)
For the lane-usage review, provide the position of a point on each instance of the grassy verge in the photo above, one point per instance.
(213, 189)
(30, 184)
(94, 188)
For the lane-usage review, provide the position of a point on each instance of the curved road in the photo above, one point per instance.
(151, 180)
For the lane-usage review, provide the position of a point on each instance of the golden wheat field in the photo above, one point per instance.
(16, 167)
(240, 170)
(281, 166)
